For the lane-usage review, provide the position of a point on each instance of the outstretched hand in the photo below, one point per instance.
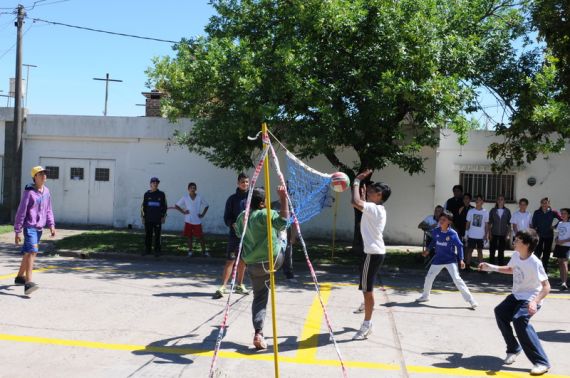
(364, 174)
(282, 191)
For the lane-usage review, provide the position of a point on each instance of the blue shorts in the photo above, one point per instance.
(32, 238)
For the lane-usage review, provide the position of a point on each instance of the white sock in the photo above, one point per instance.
(367, 323)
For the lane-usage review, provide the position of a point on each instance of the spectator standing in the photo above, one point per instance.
(562, 248)
(477, 230)
(543, 221)
(455, 203)
(194, 207)
(500, 228)
(153, 215)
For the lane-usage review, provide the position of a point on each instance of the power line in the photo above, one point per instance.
(103, 31)
(14, 45)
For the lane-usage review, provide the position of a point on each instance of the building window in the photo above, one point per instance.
(489, 185)
(52, 172)
(102, 174)
(76, 174)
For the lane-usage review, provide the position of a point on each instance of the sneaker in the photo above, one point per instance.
(563, 286)
(259, 341)
(30, 287)
(539, 369)
(19, 280)
(219, 293)
(422, 299)
(206, 254)
(359, 310)
(240, 289)
(190, 253)
(363, 332)
(473, 305)
(511, 357)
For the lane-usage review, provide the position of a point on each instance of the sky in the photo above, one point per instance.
(68, 59)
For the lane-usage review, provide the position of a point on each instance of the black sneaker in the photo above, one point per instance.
(30, 287)
(19, 280)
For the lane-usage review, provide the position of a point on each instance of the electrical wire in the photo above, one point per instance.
(14, 45)
(102, 31)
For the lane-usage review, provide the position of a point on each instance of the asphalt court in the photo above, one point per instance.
(95, 318)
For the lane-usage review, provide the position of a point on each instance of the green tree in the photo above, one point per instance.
(381, 77)
(540, 121)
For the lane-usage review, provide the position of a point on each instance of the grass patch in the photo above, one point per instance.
(5, 228)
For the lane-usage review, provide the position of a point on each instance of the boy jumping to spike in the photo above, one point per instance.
(371, 227)
(530, 287)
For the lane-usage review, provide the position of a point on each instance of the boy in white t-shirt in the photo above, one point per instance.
(477, 230)
(530, 287)
(191, 206)
(372, 228)
(562, 249)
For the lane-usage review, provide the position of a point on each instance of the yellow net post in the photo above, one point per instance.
(334, 224)
(270, 250)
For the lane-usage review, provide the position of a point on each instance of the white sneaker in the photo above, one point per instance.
(206, 254)
(473, 305)
(511, 357)
(190, 253)
(359, 310)
(363, 332)
(422, 299)
(539, 369)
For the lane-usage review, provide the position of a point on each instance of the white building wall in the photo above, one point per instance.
(139, 147)
(551, 173)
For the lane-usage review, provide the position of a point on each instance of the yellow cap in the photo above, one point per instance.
(36, 170)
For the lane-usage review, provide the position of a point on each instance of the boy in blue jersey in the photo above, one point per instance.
(446, 241)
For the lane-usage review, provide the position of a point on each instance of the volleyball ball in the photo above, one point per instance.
(339, 182)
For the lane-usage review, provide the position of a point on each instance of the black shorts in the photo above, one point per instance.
(368, 270)
(562, 252)
(232, 248)
(474, 243)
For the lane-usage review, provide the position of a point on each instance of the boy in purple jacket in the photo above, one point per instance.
(34, 213)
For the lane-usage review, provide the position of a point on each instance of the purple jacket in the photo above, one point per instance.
(34, 210)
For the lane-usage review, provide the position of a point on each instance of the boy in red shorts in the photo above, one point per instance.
(191, 206)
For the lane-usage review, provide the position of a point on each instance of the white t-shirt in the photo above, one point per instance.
(430, 221)
(478, 220)
(522, 220)
(564, 232)
(194, 206)
(371, 227)
(528, 276)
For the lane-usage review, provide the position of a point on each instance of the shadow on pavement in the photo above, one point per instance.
(555, 336)
(4, 291)
(491, 364)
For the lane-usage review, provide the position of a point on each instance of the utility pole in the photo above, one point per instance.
(107, 80)
(13, 141)
(27, 81)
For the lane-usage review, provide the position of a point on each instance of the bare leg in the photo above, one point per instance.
(23, 264)
(468, 255)
(203, 244)
(241, 271)
(368, 304)
(563, 264)
(480, 255)
(190, 243)
(30, 265)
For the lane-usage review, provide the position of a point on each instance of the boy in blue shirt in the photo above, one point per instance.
(446, 241)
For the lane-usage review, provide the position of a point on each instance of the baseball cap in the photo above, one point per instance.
(154, 179)
(37, 169)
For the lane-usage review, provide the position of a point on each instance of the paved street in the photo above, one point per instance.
(146, 318)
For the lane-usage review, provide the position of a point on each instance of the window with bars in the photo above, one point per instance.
(102, 174)
(52, 172)
(489, 185)
(76, 173)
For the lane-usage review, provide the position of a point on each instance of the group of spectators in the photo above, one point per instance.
(479, 228)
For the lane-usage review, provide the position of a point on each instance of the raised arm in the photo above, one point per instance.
(357, 201)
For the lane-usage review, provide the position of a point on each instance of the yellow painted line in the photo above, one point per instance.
(12, 275)
(312, 327)
(256, 356)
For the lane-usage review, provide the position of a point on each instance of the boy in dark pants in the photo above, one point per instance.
(530, 287)
(153, 214)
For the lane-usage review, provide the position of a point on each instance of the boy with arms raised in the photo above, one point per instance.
(530, 287)
(372, 228)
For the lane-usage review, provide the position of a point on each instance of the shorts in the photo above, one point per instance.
(32, 238)
(232, 248)
(368, 270)
(192, 230)
(562, 252)
(474, 243)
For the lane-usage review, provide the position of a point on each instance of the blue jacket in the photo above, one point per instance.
(234, 206)
(445, 244)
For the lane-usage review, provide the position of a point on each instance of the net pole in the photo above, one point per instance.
(334, 225)
(270, 248)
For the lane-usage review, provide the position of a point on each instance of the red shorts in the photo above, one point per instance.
(192, 230)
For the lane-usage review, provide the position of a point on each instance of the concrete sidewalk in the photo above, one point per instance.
(143, 318)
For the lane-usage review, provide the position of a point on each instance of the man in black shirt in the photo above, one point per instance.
(455, 203)
(153, 214)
